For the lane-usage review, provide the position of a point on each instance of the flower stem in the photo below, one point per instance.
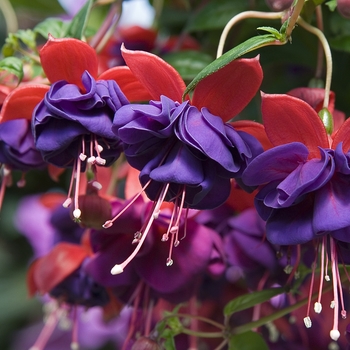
(328, 56)
(294, 17)
(241, 16)
(9, 16)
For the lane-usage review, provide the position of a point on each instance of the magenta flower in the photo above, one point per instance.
(176, 281)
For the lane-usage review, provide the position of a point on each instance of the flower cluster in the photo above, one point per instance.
(180, 219)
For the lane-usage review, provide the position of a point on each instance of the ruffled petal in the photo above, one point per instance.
(332, 207)
(305, 178)
(275, 164)
(293, 225)
(288, 119)
(227, 91)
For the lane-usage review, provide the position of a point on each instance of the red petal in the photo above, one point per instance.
(54, 267)
(4, 91)
(31, 285)
(52, 200)
(20, 103)
(289, 119)
(131, 87)
(338, 119)
(227, 91)
(157, 76)
(255, 129)
(55, 172)
(239, 200)
(343, 136)
(67, 59)
(314, 97)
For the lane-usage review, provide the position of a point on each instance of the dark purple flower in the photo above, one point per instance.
(193, 151)
(304, 185)
(70, 123)
(17, 149)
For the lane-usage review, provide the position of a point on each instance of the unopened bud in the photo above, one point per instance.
(279, 5)
(343, 7)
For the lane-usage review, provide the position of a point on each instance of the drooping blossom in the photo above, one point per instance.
(17, 147)
(186, 152)
(304, 185)
(72, 123)
(61, 252)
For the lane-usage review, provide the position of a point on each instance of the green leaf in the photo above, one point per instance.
(249, 300)
(188, 63)
(341, 43)
(238, 51)
(12, 65)
(77, 27)
(332, 5)
(272, 31)
(247, 341)
(28, 37)
(216, 14)
(54, 26)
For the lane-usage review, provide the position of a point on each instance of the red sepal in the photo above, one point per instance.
(131, 87)
(157, 76)
(47, 272)
(20, 103)
(289, 119)
(314, 97)
(342, 135)
(227, 91)
(255, 129)
(67, 59)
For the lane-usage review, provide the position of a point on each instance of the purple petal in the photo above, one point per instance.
(275, 164)
(293, 225)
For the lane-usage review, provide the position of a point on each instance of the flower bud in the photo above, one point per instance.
(279, 5)
(95, 211)
(343, 7)
(144, 343)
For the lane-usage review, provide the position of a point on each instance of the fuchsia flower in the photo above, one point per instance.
(186, 151)
(304, 183)
(72, 119)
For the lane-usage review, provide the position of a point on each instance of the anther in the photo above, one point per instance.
(327, 278)
(99, 148)
(176, 243)
(169, 262)
(74, 346)
(332, 306)
(318, 307)
(21, 183)
(77, 213)
(343, 314)
(165, 237)
(108, 224)
(97, 185)
(307, 322)
(100, 161)
(91, 160)
(335, 334)
(117, 269)
(288, 269)
(82, 157)
(174, 229)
